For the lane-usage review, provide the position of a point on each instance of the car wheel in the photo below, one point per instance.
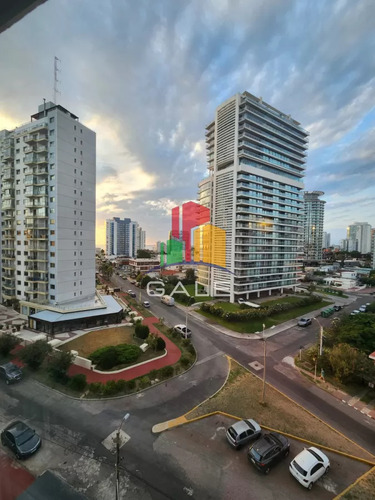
(18, 456)
(310, 486)
(286, 453)
(327, 470)
(267, 470)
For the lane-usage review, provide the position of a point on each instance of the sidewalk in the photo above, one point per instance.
(173, 355)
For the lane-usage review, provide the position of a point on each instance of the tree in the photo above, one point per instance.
(7, 343)
(144, 254)
(142, 331)
(190, 276)
(106, 269)
(59, 364)
(34, 354)
(349, 363)
(145, 279)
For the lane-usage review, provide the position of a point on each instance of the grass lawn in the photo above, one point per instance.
(241, 396)
(257, 325)
(229, 307)
(91, 341)
(363, 490)
(191, 291)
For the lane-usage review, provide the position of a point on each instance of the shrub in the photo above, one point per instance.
(108, 357)
(78, 382)
(166, 371)
(95, 387)
(34, 354)
(7, 343)
(121, 385)
(142, 331)
(110, 388)
(59, 364)
(144, 382)
(160, 344)
(130, 384)
(185, 361)
(153, 374)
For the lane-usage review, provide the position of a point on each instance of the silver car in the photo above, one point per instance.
(242, 432)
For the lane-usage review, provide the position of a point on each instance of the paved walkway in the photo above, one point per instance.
(173, 355)
(14, 479)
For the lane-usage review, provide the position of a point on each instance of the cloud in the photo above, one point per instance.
(148, 76)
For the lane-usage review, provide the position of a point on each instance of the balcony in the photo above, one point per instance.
(29, 159)
(36, 224)
(35, 181)
(35, 138)
(36, 191)
(36, 268)
(38, 246)
(8, 294)
(36, 203)
(37, 213)
(8, 154)
(38, 289)
(9, 266)
(8, 174)
(36, 300)
(7, 205)
(37, 257)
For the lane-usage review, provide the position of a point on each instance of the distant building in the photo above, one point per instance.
(124, 237)
(313, 225)
(359, 236)
(373, 248)
(326, 239)
(143, 265)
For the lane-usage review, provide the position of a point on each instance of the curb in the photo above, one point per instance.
(169, 424)
(348, 488)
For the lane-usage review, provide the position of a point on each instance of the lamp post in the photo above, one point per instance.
(186, 313)
(320, 337)
(264, 362)
(124, 418)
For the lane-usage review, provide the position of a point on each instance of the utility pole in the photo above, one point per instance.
(264, 364)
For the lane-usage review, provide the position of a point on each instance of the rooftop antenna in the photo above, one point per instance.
(56, 81)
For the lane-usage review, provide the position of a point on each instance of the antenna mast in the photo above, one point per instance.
(56, 81)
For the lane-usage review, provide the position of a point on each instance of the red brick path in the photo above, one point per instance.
(13, 478)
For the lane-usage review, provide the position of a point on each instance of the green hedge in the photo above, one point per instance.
(261, 313)
(106, 358)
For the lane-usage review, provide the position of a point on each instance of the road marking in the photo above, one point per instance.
(220, 353)
(188, 491)
(110, 441)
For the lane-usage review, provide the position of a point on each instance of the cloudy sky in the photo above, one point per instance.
(147, 75)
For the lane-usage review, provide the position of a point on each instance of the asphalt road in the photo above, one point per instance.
(73, 430)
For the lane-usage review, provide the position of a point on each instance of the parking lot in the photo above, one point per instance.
(215, 470)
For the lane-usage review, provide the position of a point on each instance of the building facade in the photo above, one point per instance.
(359, 236)
(313, 226)
(124, 237)
(48, 176)
(326, 239)
(256, 160)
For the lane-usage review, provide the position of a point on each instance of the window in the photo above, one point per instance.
(52, 199)
(18, 140)
(52, 221)
(51, 210)
(75, 170)
(75, 283)
(52, 232)
(52, 286)
(52, 177)
(18, 172)
(52, 188)
(17, 151)
(51, 143)
(17, 161)
(75, 127)
(75, 273)
(52, 264)
(75, 150)
(52, 165)
(17, 202)
(52, 276)
(75, 139)
(52, 254)
(52, 243)
(81, 131)
(52, 119)
(75, 160)
(52, 133)
(52, 297)
(18, 191)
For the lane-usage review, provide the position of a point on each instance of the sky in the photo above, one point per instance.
(147, 76)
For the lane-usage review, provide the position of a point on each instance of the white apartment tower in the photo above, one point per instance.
(48, 175)
(256, 160)
(359, 236)
(313, 227)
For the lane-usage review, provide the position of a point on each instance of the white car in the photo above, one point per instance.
(362, 309)
(353, 313)
(146, 303)
(183, 330)
(308, 466)
(241, 301)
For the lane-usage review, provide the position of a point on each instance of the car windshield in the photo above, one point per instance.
(13, 369)
(25, 436)
(299, 468)
(232, 432)
(256, 455)
(250, 425)
(314, 454)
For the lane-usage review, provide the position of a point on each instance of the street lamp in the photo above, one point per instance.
(124, 418)
(186, 313)
(264, 362)
(320, 337)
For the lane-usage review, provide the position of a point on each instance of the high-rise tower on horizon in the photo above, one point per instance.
(256, 160)
(313, 226)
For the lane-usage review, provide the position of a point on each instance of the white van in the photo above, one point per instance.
(168, 300)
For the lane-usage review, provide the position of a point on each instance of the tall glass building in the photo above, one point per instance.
(313, 227)
(256, 159)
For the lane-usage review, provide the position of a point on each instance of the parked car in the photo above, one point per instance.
(21, 439)
(268, 450)
(132, 294)
(353, 313)
(10, 373)
(151, 292)
(168, 300)
(241, 301)
(242, 432)
(183, 330)
(304, 322)
(146, 303)
(362, 309)
(308, 466)
(337, 308)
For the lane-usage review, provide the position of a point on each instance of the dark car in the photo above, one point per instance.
(304, 322)
(21, 439)
(242, 432)
(268, 450)
(337, 308)
(10, 373)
